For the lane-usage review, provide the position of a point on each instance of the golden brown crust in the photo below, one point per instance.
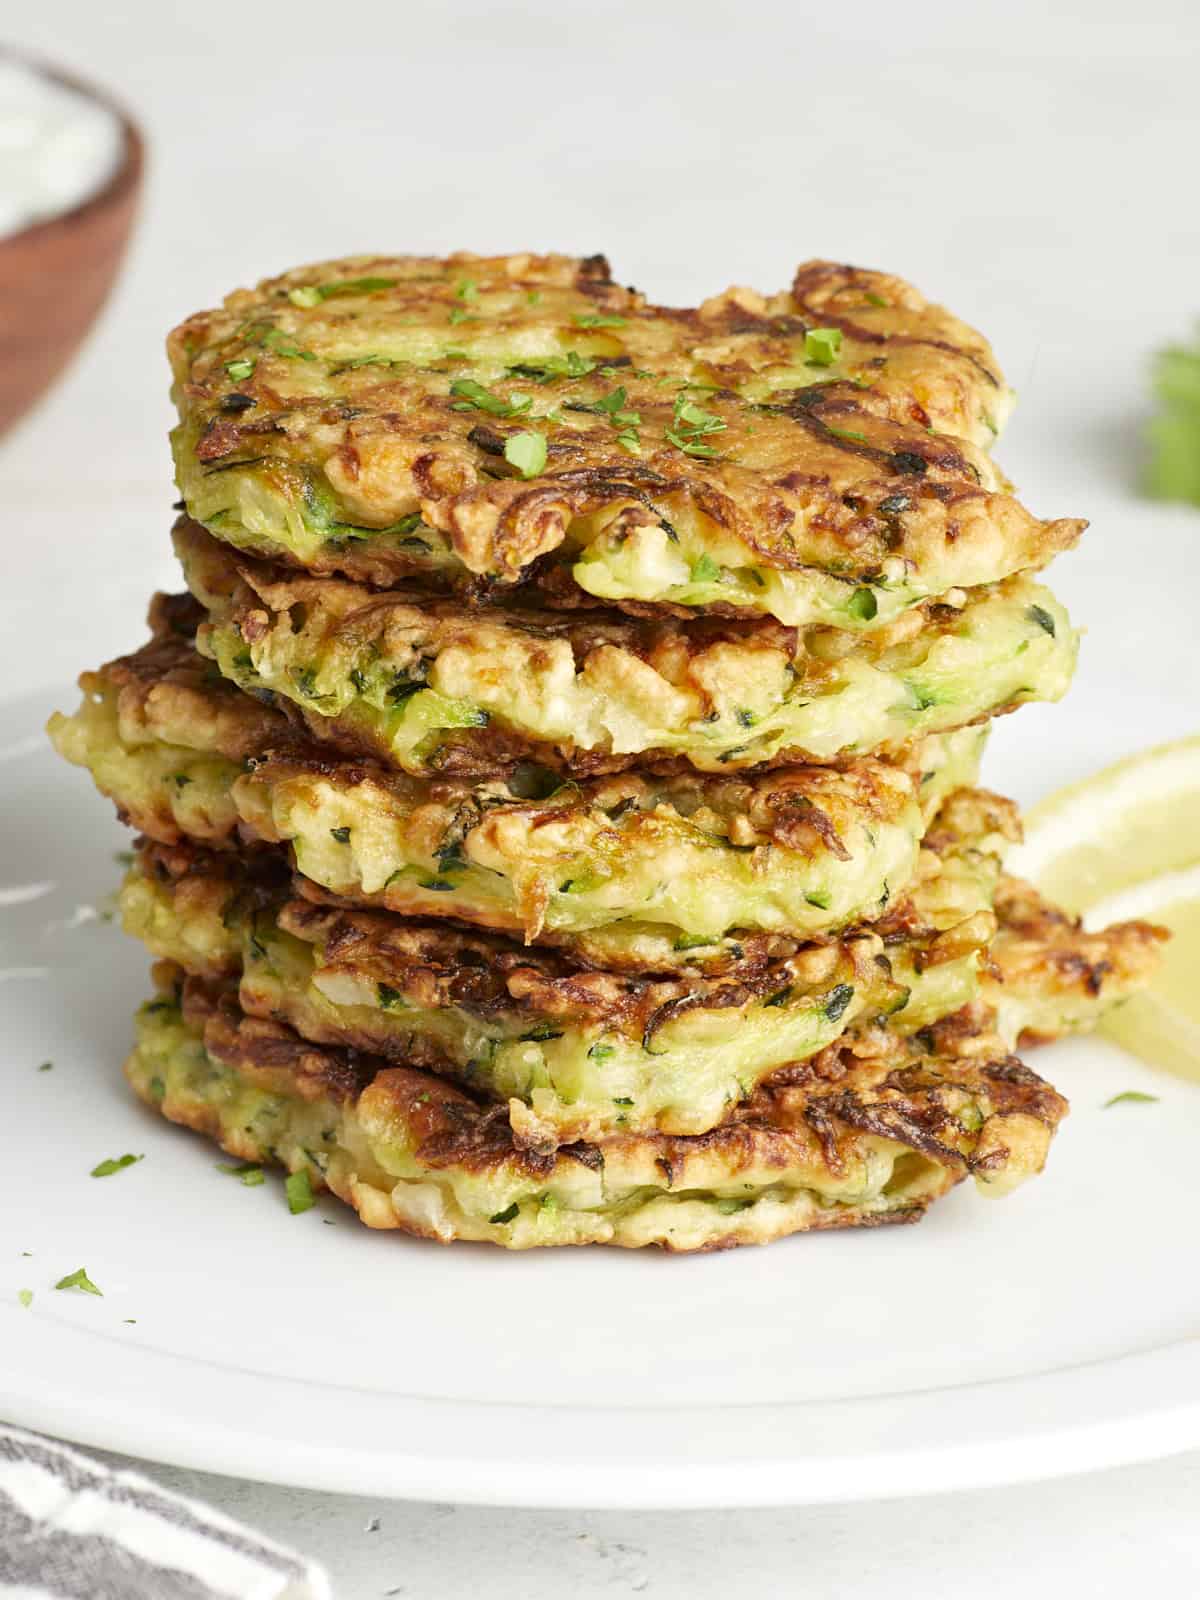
(917, 1103)
(167, 691)
(856, 468)
(438, 965)
(657, 693)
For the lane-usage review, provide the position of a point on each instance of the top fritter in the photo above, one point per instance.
(475, 422)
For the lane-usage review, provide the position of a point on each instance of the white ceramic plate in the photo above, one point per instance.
(998, 1340)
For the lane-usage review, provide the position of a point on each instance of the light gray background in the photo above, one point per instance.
(1034, 165)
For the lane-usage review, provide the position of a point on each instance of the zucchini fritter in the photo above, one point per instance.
(576, 1055)
(871, 1139)
(463, 691)
(1049, 977)
(653, 874)
(816, 456)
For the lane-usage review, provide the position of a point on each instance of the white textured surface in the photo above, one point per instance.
(1106, 1538)
(1031, 168)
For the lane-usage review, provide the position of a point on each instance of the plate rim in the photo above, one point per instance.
(1107, 1413)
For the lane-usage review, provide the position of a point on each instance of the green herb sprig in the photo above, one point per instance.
(472, 396)
(105, 1169)
(79, 1280)
(527, 452)
(626, 422)
(692, 425)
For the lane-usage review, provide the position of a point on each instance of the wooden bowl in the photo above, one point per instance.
(56, 275)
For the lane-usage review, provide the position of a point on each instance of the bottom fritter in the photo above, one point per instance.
(868, 1132)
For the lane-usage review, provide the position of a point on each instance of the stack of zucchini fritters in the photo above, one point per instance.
(557, 787)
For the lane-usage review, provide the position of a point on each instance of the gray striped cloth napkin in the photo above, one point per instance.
(72, 1530)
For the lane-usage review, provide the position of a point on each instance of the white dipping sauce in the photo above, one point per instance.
(57, 147)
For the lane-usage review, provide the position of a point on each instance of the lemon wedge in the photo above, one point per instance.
(1132, 822)
(1126, 844)
(1162, 1023)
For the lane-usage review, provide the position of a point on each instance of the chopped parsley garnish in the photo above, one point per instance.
(278, 342)
(1131, 1097)
(79, 1280)
(541, 370)
(599, 320)
(468, 289)
(1042, 617)
(46, 1066)
(838, 1000)
(689, 415)
(105, 1169)
(342, 835)
(822, 345)
(388, 997)
(249, 1174)
(25, 1296)
(507, 1214)
(364, 361)
(240, 369)
(300, 1195)
(526, 452)
(705, 570)
(692, 424)
(863, 604)
(472, 396)
(613, 402)
(625, 422)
